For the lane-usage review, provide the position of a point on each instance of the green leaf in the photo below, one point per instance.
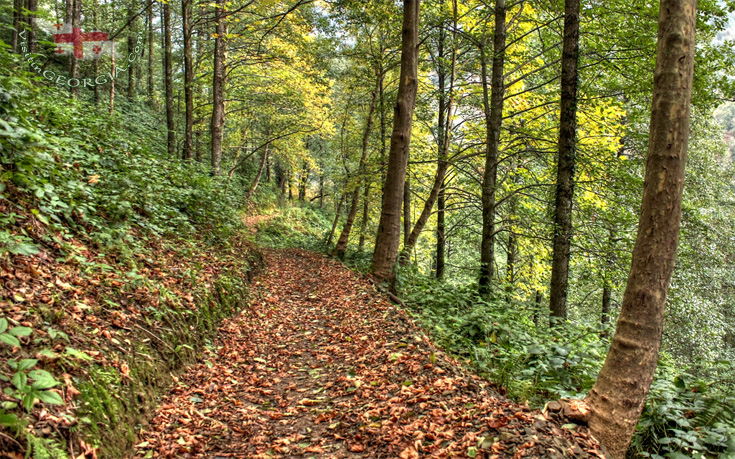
(20, 331)
(471, 451)
(9, 339)
(20, 380)
(50, 397)
(26, 364)
(3, 324)
(42, 379)
(28, 401)
(81, 355)
(23, 249)
(8, 420)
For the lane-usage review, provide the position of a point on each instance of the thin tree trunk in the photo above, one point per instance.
(17, 24)
(303, 180)
(493, 121)
(618, 396)
(606, 295)
(440, 234)
(32, 8)
(365, 216)
(188, 82)
(444, 129)
(131, 46)
(168, 71)
(112, 80)
(336, 219)
(151, 100)
(565, 166)
(74, 12)
(344, 237)
(406, 209)
(218, 88)
(260, 172)
(389, 228)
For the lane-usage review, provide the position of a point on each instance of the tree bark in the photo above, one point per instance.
(32, 8)
(17, 24)
(132, 35)
(618, 396)
(444, 128)
(440, 234)
(406, 209)
(74, 12)
(303, 181)
(493, 121)
(169, 77)
(337, 213)
(218, 88)
(565, 164)
(389, 228)
(151, 100)
(365, 216)
(112, 80)
(341, 248)
(188, 153)
(254, 186)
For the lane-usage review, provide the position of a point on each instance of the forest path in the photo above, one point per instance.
(322, 366)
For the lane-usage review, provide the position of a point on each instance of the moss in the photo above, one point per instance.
(115, 405)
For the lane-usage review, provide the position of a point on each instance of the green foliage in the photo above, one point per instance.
(296, 226)
(507, 341)
(685, 417)
(74, 166)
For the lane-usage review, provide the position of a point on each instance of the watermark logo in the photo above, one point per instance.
(71, 40)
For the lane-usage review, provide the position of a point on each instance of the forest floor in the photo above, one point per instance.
(321, 365)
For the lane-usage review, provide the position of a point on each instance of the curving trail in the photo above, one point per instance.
(322, 366)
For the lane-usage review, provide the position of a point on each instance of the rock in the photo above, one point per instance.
(554, 406)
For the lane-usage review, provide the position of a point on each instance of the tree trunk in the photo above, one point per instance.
(74, 12)
(493, 122)
(406, 209)
(112, 80)
(257, 176)
(606, 295)
(218, 88)
(188, 153)
(32, 8)
(303, 181)
(444, 128)
(565, 165)
(132, 36)
(440, 234)
(344, 237)
(389, 228)
(618, 397)
(151, 100)
(365, 216)
(169, 83)
(336, 220)
(17, 24)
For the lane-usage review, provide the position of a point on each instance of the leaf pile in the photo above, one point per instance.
(321, 365)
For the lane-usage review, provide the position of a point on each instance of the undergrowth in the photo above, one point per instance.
(116, 265)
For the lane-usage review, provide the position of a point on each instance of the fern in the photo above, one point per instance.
(44, 448)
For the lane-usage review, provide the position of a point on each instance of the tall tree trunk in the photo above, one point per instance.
(365, 216)
(303, 181)
(132, 36)
(254, 186)
(406, 209)
(389, 228)
(218, 87)
(17, 24)
(444, 129)
(112, 80)
(344, 237)
(618, 396)
(565, 165)
(74, 13)
(32, 9)
(493, 122)
(337, 213)
(606, 296)
(188, 81)
(440, 234)
(168, 72)
(151, 100)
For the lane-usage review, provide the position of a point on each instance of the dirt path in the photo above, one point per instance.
(321, 366)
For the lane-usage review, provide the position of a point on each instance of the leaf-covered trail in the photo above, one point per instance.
(322, 366)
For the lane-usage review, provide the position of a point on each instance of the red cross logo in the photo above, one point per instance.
(97, 50)
(58, 26)
(78, 38)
